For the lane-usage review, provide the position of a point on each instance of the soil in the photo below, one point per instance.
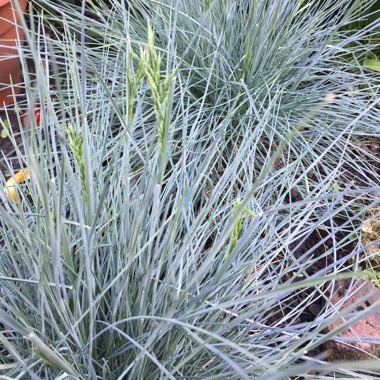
(311, 247)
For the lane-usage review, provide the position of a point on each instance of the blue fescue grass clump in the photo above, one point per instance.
(189, 152)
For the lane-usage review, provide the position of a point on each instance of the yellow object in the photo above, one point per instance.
(10, 189)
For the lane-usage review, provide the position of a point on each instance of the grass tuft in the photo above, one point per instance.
(200, 177)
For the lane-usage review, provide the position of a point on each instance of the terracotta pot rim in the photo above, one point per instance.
(10, 67)
(4, 2)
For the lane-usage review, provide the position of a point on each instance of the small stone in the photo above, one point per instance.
(375, 147)
(315, 308)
